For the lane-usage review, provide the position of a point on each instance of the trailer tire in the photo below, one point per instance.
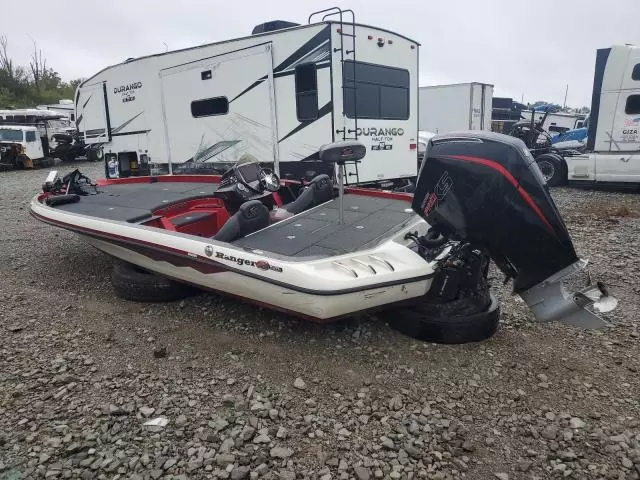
(131, 282)
(94, 154)
(23, 162)
(62, 138)
(56, 200)
(553, 168)
(455, 329)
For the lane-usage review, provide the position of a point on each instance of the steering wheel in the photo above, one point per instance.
(269, 180)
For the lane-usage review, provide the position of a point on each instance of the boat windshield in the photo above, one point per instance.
(11, 135)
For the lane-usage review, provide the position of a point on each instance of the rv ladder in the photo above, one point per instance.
(347, 133)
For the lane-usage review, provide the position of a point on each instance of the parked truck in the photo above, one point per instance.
(20, 147)
(612, 152)
(555, 123)
(460, 106)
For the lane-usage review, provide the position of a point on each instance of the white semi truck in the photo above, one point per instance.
(612, 153)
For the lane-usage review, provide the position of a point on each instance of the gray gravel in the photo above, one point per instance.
(248, 393)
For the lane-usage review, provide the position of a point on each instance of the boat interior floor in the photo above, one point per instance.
(189, 207)
(317, 233)
(136, 202)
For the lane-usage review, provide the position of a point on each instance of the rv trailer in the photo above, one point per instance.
(276, 95)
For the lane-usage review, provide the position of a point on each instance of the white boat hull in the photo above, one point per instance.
(318, 289)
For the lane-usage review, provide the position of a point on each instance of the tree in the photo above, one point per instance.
(38, 65)
(6, 64)
(31, 86)
(14, 81)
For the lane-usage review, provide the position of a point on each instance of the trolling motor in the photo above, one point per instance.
(485, 189)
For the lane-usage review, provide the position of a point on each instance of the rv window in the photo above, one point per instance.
(306, 92)
(635, 74)
(633, 105)
(209, 107)
(31, 136)
(375, 91)
(73, 117)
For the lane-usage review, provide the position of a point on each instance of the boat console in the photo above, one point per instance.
(244, 182)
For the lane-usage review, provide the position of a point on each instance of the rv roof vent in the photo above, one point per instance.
(272, 25)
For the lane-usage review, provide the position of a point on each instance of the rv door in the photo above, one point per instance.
(622, 162)
(93, 113)
(220, 108)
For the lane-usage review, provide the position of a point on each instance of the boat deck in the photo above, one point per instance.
(134, 202)
(317, 233)
(368, 220)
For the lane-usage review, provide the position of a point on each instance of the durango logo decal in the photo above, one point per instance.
(127, 88)
(127, 91)
(260, 264)
(380, 132)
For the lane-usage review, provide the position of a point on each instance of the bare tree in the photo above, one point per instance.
(6, 64)
(38, 65)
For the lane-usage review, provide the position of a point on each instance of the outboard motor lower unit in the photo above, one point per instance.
(486, 189)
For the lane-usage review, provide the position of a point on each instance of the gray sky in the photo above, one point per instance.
(522, 47)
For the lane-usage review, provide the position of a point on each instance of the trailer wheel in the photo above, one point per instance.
(552, 168)
(24, 162)
(415, 322)
(131, 282)
(94, 154)
(56, 200)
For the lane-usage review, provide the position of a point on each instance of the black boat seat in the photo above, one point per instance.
(319, 190)
(250, 217)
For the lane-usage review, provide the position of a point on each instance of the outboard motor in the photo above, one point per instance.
(485, 188)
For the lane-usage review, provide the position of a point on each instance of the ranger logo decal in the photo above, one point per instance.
(260, 264)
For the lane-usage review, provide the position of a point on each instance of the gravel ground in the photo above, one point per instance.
(248, 393)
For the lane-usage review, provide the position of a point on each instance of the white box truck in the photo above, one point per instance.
(460, 106)
(612, 153)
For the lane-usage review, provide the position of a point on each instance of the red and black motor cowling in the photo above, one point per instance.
(485, 188)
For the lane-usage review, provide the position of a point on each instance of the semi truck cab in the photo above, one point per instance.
(612, 153)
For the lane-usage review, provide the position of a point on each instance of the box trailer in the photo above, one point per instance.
(277, 95)
(460, 106)
(65, 107)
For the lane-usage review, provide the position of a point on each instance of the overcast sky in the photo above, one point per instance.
(524, 48)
